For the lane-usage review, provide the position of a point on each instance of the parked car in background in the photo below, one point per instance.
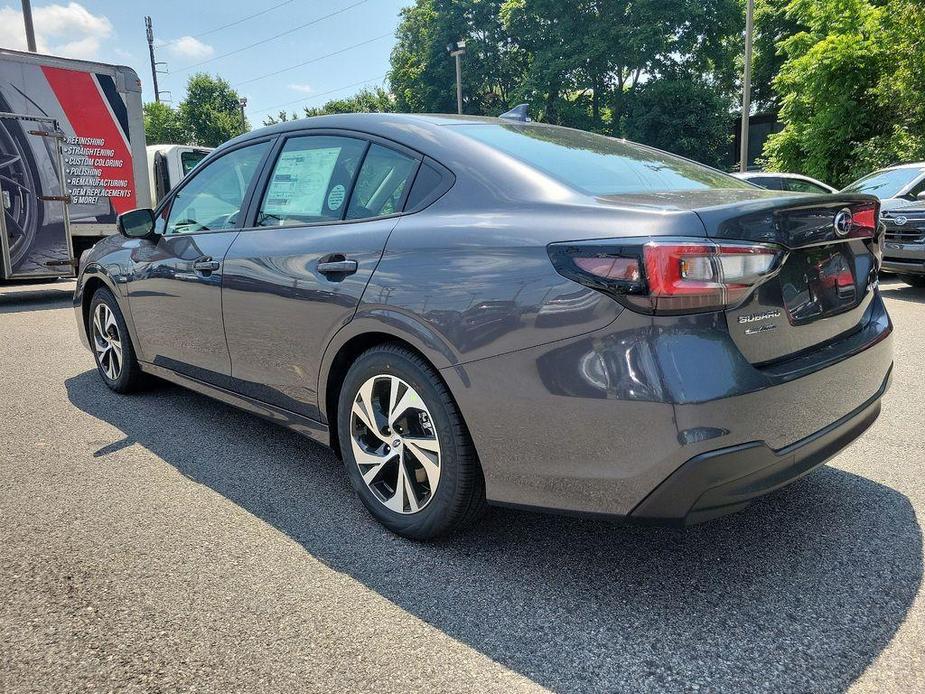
(471, 309)
(792, 183)
(901, 190)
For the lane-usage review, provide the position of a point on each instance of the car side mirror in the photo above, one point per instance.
(920, 196)
(136, 224)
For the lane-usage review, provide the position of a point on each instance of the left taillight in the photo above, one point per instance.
(669, 276)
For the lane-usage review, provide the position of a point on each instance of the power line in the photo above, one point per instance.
(303, 99)
(273, 38)
(313, 60)
(230, 24)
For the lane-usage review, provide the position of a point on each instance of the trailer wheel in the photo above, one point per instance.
(20, 184)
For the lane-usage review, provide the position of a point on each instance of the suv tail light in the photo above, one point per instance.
(670, 275)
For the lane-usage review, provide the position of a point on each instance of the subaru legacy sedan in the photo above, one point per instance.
(473, 310)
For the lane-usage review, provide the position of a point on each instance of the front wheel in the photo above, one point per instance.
(112, 346)
(406, 449)
(914, 280)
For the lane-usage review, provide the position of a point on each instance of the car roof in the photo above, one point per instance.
(368, 122)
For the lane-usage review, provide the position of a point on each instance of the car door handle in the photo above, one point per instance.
(340, 266)
(206, 265)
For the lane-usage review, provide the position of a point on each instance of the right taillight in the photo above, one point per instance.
(669, 275)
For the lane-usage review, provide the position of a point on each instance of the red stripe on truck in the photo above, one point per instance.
(100, 146)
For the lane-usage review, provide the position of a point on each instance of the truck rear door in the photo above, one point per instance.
(34, 236)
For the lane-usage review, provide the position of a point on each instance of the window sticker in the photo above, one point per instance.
(299, 182)
(336, 197)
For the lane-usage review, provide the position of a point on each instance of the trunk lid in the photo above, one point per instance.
(824, 284)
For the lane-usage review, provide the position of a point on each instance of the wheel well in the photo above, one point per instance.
(344, 359)
(90, 288)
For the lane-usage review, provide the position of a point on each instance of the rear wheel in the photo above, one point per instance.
(112, 346)
(406, 449)
(913, 280)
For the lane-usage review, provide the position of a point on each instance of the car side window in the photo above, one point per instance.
(311, 180)
(769, 182)
(798, 185)
(213, 198)
(916, 189)
(382, 182)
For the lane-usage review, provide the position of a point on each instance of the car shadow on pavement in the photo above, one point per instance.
(35, 300)
(800, 592)
(903, 292)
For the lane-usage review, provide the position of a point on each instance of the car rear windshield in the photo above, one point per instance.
(884, 184)
(598, 165)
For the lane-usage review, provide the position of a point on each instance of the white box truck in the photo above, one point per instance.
(72, 158)
(167, 164)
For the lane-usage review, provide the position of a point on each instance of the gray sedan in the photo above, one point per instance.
(474, 310)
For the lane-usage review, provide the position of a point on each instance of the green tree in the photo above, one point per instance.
(422, 74)
(377, 100)
(162, 125)
(685, 116)
(210, 112)
(281, 117)
(773, 26)
(851, 88)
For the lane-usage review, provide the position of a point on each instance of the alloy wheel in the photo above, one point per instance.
(395, 444)
(107, 341)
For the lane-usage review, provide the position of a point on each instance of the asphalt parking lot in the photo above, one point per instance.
(165, 542)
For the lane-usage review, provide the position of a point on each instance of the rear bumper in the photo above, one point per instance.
(904, 258)
(728, 479)
(596, 424)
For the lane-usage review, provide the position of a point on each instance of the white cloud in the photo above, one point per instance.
(189, 48)
(70, 30)
(304, 88)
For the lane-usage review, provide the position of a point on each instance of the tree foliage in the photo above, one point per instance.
(851, 89)
(210, 111)
(162, 125)
(686, 116)
(209, 115)
(376, 100)
(576, 63)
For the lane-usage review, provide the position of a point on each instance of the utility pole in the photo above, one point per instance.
(746, 85)
(149, 30)
(458, 50)
(27, 20)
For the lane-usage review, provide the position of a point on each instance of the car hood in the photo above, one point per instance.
(896, 204)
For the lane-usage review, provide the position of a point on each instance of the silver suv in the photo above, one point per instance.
(901, 190)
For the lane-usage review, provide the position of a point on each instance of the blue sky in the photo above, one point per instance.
(113, 31)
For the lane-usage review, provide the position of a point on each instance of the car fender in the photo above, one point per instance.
(111, 277)
(389, 321)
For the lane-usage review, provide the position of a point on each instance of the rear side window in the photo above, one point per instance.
(381, 184)
(311, 180)
(798, 185)
(769, 182)
(595, 164)
(428, 184)
(189, 160)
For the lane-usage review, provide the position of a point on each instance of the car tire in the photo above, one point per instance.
(443, 488)
(118, 369)
(914, 280)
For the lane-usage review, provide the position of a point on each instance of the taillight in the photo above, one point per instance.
(671, 275)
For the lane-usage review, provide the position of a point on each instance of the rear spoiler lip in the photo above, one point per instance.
(796, 201)
(763, 221)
